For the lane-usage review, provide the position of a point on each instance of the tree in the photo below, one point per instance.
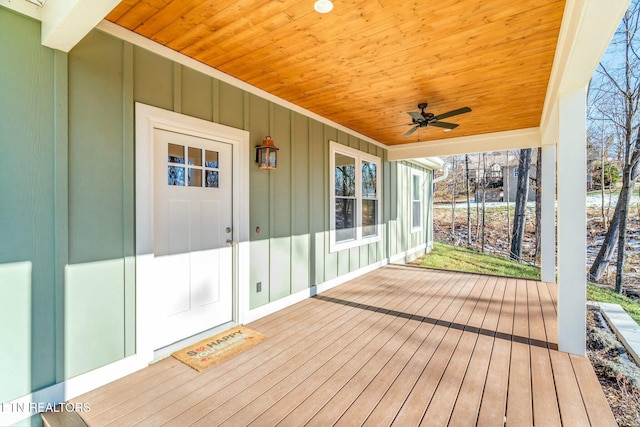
(538, 200)
(616, 90)
(522, 193)
(466, 165)
(605, 177)
(505, 180)
(484, 195)
(453, 199)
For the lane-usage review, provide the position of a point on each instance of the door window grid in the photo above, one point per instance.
(202, 167)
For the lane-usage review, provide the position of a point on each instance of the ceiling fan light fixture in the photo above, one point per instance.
(323, 6)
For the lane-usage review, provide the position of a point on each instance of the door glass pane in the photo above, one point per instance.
(176, 175)
(211, 179)
(211, 159)
(369, 218)
(345, 219)
(176, 154)
(195, 177)
(195, 156)
(369, 179)
(345, 175)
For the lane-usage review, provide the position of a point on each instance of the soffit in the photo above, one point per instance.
(367, 63)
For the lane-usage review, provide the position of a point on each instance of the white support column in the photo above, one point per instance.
(548, 214)
(572, 223)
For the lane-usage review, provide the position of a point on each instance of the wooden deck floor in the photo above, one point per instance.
(399, 346)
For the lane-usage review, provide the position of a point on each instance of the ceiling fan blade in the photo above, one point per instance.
(417, 117)
(412, 130)
(453, 113)
(444, 125)
(396, 126)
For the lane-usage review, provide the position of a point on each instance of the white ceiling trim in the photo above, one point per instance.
(150, 45)
(66, 22)
(498, 141)
(434, 163)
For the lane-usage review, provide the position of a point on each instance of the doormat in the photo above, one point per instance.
(218, 348)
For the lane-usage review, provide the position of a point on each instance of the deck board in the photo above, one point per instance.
(191, 414)
(519, 401)
(398, 346)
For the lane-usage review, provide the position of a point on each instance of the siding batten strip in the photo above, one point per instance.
(61, 200)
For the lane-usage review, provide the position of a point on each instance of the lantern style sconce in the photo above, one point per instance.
(267, 155)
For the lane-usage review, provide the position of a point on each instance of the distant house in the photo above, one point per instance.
(510, 179)
(501, 177)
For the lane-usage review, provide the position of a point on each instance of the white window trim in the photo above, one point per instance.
(360, 156)
(412, 200)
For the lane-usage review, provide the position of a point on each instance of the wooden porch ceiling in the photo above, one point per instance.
(399, 346)
(367, 63)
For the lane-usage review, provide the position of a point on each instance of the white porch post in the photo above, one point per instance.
(548, 214)
(572, 153)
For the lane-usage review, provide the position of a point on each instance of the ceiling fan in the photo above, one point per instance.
(422, 119)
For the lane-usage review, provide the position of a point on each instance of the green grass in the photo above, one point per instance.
(464, 259)
(600, 294)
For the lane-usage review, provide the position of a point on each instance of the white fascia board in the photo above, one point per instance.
(66, 22)
(498, 141)
(150, 45)
(434, 163)
(586, 31)
(23, 7)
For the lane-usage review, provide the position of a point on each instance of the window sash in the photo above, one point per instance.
(355, 218)
(416, 203)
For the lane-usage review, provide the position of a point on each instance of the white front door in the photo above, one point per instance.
(192, 288)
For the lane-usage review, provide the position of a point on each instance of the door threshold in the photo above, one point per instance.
(164, 352)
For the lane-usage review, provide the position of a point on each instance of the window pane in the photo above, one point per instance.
(345, 219)
(369, 218)
(345, 175)
(211, 178)
(416, 187)
(369, 179)
(195, 156)
(176, 154)
(176, 175)
(195, 177)
(417, 214)
(211, 159)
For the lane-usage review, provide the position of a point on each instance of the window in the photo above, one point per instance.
(195, 171)
(416, 203)
(355, 197)
(515, 172)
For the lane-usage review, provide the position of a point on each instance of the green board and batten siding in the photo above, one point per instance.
(67, 265)
(28, 275)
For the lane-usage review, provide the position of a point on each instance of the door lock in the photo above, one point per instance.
(228, 230)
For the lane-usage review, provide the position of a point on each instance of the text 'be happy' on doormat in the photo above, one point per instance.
(217, 349)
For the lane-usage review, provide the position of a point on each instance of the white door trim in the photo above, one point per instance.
(147, 119)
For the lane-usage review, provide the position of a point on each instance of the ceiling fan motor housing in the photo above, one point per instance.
(424, 119)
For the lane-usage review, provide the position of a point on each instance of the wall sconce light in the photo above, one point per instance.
(267, 154)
